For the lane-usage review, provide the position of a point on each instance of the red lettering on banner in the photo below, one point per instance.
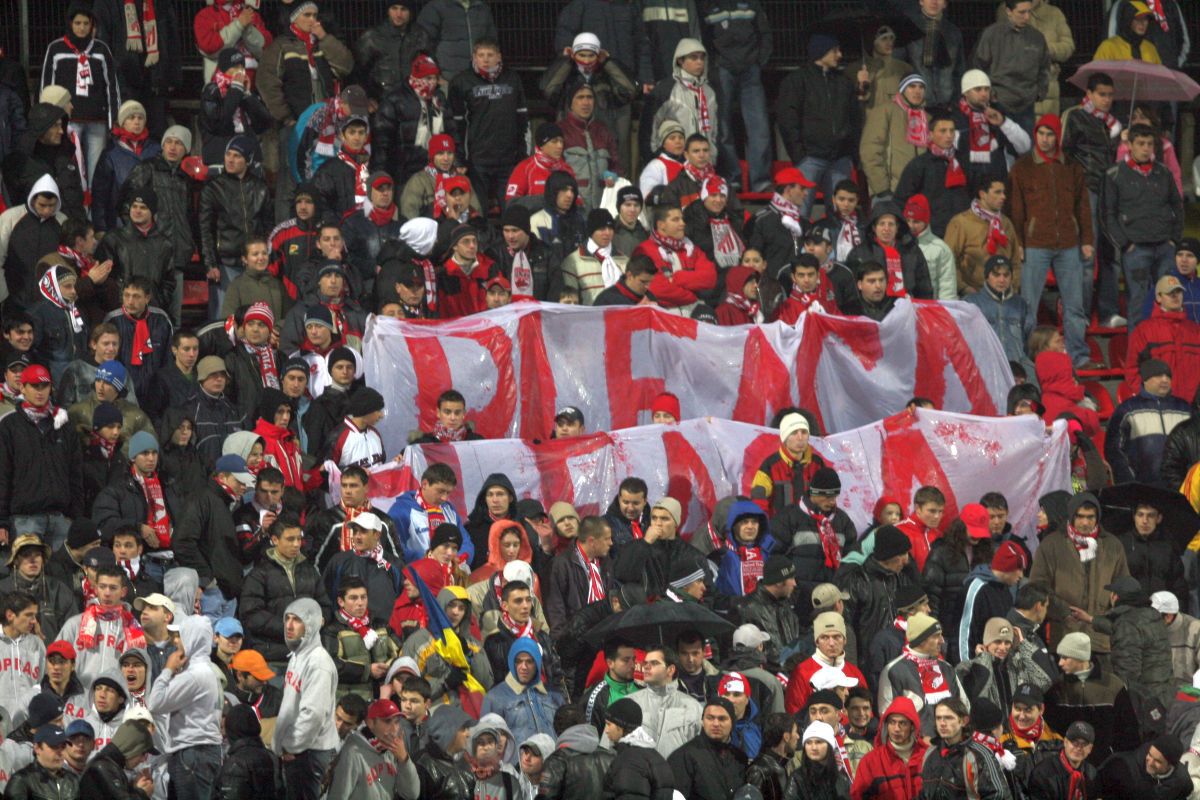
(628, 395)
(552, 458)
(939, 340)
(538, 394)
(687, 473)
(908, 462)
(765, 386)
(432, 371)
(861, 337)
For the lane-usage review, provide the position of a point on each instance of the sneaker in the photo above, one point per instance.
(1115, 321)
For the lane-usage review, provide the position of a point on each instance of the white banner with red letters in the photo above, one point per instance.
(700, 461)
(517, 365)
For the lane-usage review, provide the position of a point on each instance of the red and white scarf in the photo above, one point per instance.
(105, 447)
(997, 238)
(790, 214)
(610, 273)
(586, 69)
(439, 189)
(433, 514)
(522, 274)
(702, 112)
(895, 270)
(132, 567)
(916, 129)
(1077, 783)
(133, 142)
(376, 555)
(595, 577)
(83, 263)
(933, 683)
(980, 133)
(727, 245)
(264, 357)
(1141, 169)
(223, 82)
(1156, 6)
(37, 415)
(752, 567)
(88, 591)
(141, 37)
(550, 164)
(900, 624)
(829, 540)
(1112, 123)
(671, 248)
(1085, 543)
(142, 346)
(955, 175)
(1007, 760)
(424, 88)
(699, 174)
(444, 434)
(89, 626)
(517, 630)
(156, 506)
(83, 69)
(750, 308)
(489, 75)
(361, 172)
(49, 288)
(361, 626)
(849, 236)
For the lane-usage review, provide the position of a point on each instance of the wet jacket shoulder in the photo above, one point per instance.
(41, 467)
(704, 769)
(384, 55)
(105, 777)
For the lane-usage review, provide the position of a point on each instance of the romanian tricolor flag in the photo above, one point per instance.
(447, 645)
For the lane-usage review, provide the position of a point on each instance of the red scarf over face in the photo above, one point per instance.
(997, 238)
(350, 513)
(829, 540)
(1030, 734)
(132, 141)
(309, 45)
(916, 128)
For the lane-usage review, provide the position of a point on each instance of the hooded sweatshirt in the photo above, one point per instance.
(106, 724)
(22, 661)
(24, 239)
(192, 696)
(364, 772)
(692, 102)
(503, 783)
(305, 720)
(180, 584)
(741, 565)
(479, 523)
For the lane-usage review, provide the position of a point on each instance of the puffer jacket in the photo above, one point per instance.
(1171, 337)
(232, 208)
(112, 170)
(1048, 201)
(639, 772)
(1137, 433)
(882, 773)
(1073, 583)
(677, 101)
(174, 191)
(394, 134)
(912, 260)
(775, 617)
(872, 590)
(1137, 209)
(796, 533)
(1141, 653)
(1009, 316)
(708, 770)
(884, 148)
(578, 767)
(1061, 392)
(829, 133)
(730, 578)
(980, 675)
(453, 26)
(249, 770)
(150, 255)
(41, 465)
(591, 151)
(384, 55)
(670, 717)
(285, 78)
(527, 708)
(266, 593)
(945, 572)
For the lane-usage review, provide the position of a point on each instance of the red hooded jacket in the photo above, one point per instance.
(1171, 337)
(735, 283)
(883, 774)
(1061, 392)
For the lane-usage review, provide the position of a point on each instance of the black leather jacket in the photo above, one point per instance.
(1182, 449)
(547, 276)
(872, 589)
(768, 774)
(174, 191)
(231, 209)
(394, 135)
(385, 53)
(34, 780)
(441, 777)
(569, 773)
(149, 255)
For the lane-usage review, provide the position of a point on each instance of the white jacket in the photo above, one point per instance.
(670, 716)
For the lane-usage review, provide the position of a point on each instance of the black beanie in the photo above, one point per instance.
(242, 723)
(985, 715)
(229, 58)
(364, 401)
(445, 533)
(269, 402)
(629, 193)
(723, 703)
(890, 542)
(1170, 747)
(518, 217)
(625, 712)
(82, 531)
(341, 354)
(547, 131)
(826, 697)
(598, 218)
(144, 195)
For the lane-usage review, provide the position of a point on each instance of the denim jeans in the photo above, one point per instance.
(1143, 266)
(93, 138)
(1069, 267)
(746, 89)
(825, 174)
(303, 774)
(1107, 288)
(214, 605)
(194, 771)
(51, 528)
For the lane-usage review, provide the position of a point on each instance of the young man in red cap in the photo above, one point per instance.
(376, 221)
(1049, 204)
(778, 230)
(374, 762)
(989, 592)
(424, 193)
(938, 258)
(412, 111)
(41, 465)
(253, 364)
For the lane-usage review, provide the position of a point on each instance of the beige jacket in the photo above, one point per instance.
(883, 150)
(886, 73)
(967, 236)
(1052, 24)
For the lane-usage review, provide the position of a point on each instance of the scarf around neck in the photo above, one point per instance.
(727, 245)
(997, 238)
(894, 263)
(955, 175)
(83, 66)
(444, 434)
(83, 263)
(89, 625)
(156, 506)
(916, 129)
(1031, 734)
(264, 359)
(49, 288)
(752, 563)
(516, 629)
(790, 214)
(1112, 123)
(696, 87)
(829, 540)
(358, 162)
(1086, 544)
(1141, 169)
(934, 685)
(596, 589)
(133, 142)
(489, 75)
(361, 626)
(979, 133)
(610, 273)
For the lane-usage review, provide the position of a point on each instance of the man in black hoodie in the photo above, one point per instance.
(383, 54)
(497, 500)
(44, 149)
(26, 235)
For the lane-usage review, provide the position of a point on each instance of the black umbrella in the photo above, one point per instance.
(659, 623)
(855, 28)
(1180, 522)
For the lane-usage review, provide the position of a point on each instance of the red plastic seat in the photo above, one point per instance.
(1104, 401)
(1118, 347)
(1123, 392)
(195, 293)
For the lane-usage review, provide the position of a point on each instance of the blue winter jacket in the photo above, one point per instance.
(746, 732)
(412, 526)
(729, 573)
(1137, 432)
(1009, 317)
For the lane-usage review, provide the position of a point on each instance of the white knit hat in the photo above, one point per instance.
(820, 730)
(974, 79)
(790, 424)
(586, 41)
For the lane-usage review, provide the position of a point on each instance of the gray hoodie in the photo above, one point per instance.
(190, 699)
(495, 786)
(305, 720)
(180, 584)
(101, 659)
(22, 662)
(106, 728)
(364, 773)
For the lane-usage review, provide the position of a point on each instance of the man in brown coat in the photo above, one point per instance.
(894, 134)
(1049, 206)
(982, 231)
(1077, 563)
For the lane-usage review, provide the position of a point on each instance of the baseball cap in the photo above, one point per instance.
(570, 414)
(1080, 730)
(155, 599)
(733, 682)
(1167, 284)
(35, 373)
(99, 557)
(1029, 695)
(1126, 584)
(51, 735)
(382, 709)
(749, 636)
(253, 662)
(832, 678)
(81, 727)
(825, 595)
(228, 626)
(368, 521)
(789, 175)
(236, 466)
(61, 648)
(975, 517)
